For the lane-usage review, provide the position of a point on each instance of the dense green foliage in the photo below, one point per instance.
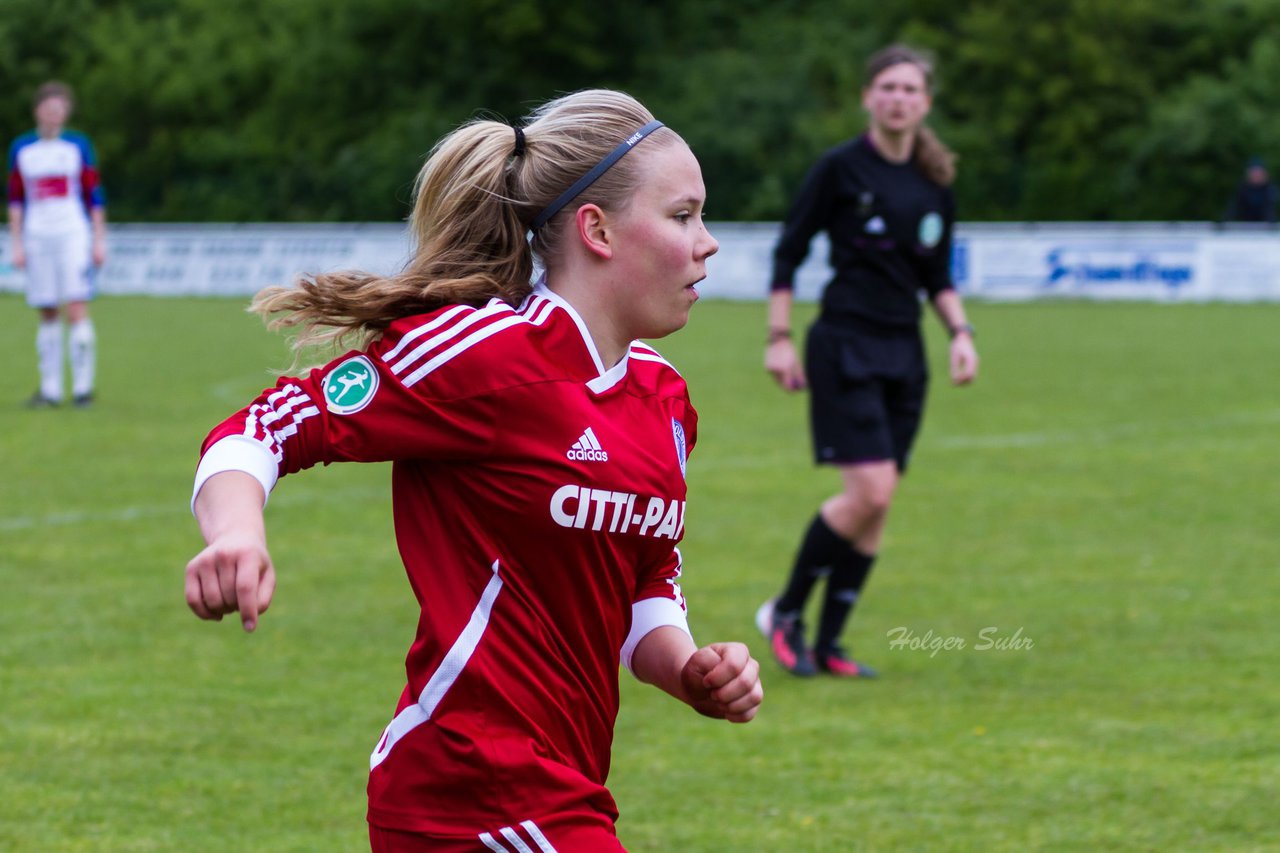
(249, 110)
(1107, 488)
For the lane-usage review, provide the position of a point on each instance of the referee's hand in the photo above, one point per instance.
(964, 359)
(782, 362)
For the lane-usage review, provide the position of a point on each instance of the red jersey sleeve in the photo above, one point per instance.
(407, 396)
(659, 602)
(17, 189)
(658, 599)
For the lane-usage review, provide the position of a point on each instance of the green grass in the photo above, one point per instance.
(1108, 489)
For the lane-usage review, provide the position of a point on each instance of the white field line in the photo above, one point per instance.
(1104, 433)
(66, 519)
(999, 441)
(176, 509)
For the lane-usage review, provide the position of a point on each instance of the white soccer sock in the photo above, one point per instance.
(49, 355)
(82, 343)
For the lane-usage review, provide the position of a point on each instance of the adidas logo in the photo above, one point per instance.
(587, 449)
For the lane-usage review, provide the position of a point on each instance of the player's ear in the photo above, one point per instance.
(590, 221)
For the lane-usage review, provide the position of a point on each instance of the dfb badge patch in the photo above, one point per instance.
(350, 386)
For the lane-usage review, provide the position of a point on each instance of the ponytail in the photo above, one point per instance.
(470, 248)
(933, 157)
(475, 200)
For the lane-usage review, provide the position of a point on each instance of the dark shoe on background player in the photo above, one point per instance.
(40, 401)
(82, 401)
(834, 661)
(785, 634)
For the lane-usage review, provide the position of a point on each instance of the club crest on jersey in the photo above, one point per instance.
(930, 229)
(350, 386)
(682, 450)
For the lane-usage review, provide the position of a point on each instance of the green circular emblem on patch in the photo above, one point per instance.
(350, 386)
(930, 230)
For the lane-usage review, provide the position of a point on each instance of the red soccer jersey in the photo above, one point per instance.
(538, 500)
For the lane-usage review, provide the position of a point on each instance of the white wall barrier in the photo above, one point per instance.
(998, 261)
(231, 260)
(1173, 261)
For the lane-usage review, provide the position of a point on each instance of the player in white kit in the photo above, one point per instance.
(57, 222)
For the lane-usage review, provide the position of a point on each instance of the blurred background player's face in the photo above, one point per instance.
(53, 112)
(1257, 174)
(898, 98)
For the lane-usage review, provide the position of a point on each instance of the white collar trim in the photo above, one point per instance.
(606, 378)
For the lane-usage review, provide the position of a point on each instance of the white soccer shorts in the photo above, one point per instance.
(59, 269)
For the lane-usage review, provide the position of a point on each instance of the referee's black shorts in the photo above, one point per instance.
(866, 392)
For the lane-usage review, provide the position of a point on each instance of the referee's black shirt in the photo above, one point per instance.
(890, 232)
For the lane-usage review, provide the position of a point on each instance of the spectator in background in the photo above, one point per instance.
(57, 222)
(1256, 195)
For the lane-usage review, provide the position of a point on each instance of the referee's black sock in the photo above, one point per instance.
(819, 549)
(848, 574)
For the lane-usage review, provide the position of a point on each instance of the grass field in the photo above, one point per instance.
(1106, 495)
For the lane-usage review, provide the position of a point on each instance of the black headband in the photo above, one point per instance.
(591, 177)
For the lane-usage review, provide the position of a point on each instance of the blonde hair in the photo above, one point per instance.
(930, 154)
(474, 201)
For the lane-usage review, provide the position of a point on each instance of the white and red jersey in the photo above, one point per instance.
(538, 500)
(55, 181)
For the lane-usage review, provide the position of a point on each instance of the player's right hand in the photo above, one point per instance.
(722, 681)
(232, 574)
(18, 257)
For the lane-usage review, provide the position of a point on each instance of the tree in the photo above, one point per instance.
(297, 110)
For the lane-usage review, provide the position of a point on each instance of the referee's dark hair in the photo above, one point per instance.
(931, 156)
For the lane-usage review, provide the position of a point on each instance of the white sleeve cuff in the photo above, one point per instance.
(649, 614)
(237, 453)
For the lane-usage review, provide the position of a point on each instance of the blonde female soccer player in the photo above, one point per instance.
(539, 470)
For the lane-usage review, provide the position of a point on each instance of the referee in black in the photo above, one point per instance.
(884, 200)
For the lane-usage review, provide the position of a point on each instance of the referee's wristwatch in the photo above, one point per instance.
(963, 327)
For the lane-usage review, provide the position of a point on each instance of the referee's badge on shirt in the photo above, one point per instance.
(931, 228)
(677, 430)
